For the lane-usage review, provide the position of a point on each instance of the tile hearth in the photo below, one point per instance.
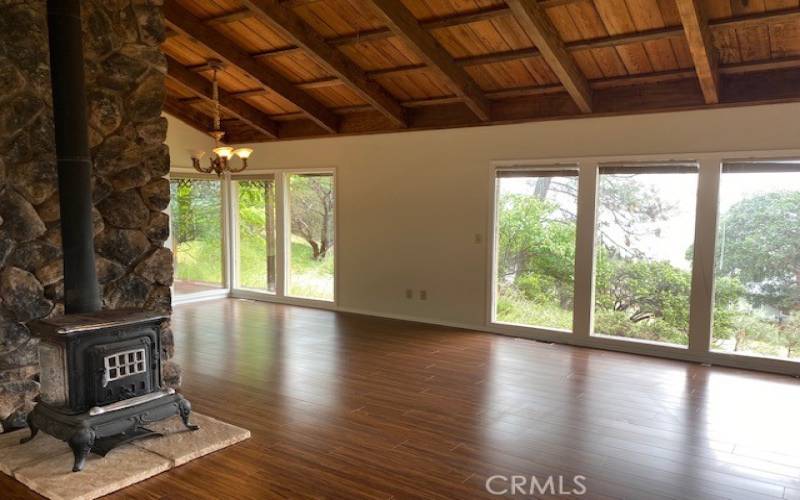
(45, 464)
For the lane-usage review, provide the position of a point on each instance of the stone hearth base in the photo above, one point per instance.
(45, 464)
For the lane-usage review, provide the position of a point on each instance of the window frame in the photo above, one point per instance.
(701, 299)
(225, 289)
(283, 234)
(647, 167)
(235, 235)
(765, 165)
(522, 167)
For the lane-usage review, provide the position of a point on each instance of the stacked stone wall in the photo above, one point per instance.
(125, 71)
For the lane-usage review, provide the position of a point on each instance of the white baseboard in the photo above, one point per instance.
(414, 319)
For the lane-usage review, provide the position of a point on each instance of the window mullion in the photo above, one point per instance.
(281, 216)
(702, 296)
(233, 233)
(584, 251)
(228, 229)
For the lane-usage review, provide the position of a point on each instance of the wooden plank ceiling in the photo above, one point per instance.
(302, 68)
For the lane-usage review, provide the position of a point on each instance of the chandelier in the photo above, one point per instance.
(220, 160)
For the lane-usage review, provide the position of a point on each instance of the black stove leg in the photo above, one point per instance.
(32, 427)
(81, 444)
(185, 408)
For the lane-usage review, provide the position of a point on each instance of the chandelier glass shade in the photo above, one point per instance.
(221, 158)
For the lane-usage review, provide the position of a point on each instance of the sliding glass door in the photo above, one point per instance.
(196, 220)
(256, 234)
(284, 236)
(311, 242)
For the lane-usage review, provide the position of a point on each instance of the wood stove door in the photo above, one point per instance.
(123, 370)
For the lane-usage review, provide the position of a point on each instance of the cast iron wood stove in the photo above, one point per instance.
(100, 370)
(101, 381)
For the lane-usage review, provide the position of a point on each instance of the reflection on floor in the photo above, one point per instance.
(347, 406)
(183, 287)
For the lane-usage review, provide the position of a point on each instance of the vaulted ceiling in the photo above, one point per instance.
(303, 68)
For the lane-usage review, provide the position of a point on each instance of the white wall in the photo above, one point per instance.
(410, 204)
(182, 139)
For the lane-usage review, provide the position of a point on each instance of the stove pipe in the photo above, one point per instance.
(81, 292)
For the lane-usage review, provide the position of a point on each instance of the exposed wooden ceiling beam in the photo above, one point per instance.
(701, 46)
(531, 90)
(459, 19)
(230, 17)
(290, 26)
(761, 65)
(403, 23)
(285, 51)
(496, 57)
(545, 3)
(297, 3)
(494, 13)
(180, 19)
(320, 83)
(483, 14)
(534, 21)
(511, 55)
(677, 95)
(783, 15)
(201, 87)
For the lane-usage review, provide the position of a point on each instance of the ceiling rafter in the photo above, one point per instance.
(290, 26)
(347, 115)
(682, 94)
(534, 21)
(403, 23)
(782, 15)
(701, 46)
(183, 21)
(532, 90)
(512, 55)
(443, 22)
(201, 88)
(460, 19)
(454, 20)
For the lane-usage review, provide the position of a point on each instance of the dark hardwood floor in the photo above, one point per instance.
(347, 406)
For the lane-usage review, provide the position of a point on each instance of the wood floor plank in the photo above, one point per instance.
(348, 406)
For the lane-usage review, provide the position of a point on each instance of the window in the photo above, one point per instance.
(536, 214)
(310, 246)
(256, 234)
(643, 248)
(603, 254)
(196, 224)
(283, 235)
(757, 265)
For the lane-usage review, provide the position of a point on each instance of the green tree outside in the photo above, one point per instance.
(757, 289)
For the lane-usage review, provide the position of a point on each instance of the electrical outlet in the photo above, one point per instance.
(423, 295)
(409, 293)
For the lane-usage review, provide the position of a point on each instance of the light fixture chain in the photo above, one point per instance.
(219, 161)
(215, 97)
